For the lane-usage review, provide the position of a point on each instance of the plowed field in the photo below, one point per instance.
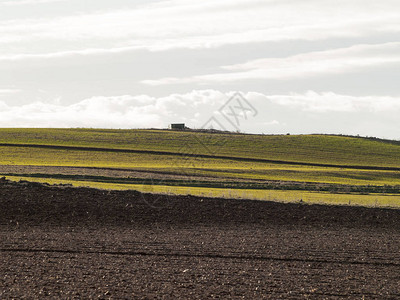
(63, 242)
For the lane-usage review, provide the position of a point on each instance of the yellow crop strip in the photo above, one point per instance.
(371, 200)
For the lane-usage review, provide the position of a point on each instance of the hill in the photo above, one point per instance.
(201, 162)
(318, 149)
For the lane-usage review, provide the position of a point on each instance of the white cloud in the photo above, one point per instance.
(8, 91)
(62, 54)
(192, 24)
(26, 2)
(334, 61)
(310, 112)
(113, 112)
(194, 108)
(332, 102)
(110, 112)
(271, 123)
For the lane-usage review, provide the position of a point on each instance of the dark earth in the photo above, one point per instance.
(80, 243)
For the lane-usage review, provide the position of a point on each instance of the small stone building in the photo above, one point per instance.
(179, 126)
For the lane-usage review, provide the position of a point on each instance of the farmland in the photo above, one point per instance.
(200, 163)
(322, 149)
(145, 214)
(64, 242)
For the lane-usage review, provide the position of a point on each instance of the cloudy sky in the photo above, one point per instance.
(303, 66)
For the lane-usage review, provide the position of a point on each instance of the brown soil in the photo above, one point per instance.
(62, 242)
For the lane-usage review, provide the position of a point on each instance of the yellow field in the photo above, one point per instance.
(387, 200)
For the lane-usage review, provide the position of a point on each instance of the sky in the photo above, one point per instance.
(271, 66)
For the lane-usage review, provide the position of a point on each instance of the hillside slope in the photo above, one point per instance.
(314, 149)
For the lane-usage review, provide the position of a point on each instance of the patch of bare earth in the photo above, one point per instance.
(86, 243)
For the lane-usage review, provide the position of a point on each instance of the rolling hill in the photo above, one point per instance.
(158, 160)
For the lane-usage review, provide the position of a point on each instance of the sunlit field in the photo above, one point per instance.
(280, 168)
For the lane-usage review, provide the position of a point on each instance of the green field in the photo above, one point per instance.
(174, 161)
(322, 149)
